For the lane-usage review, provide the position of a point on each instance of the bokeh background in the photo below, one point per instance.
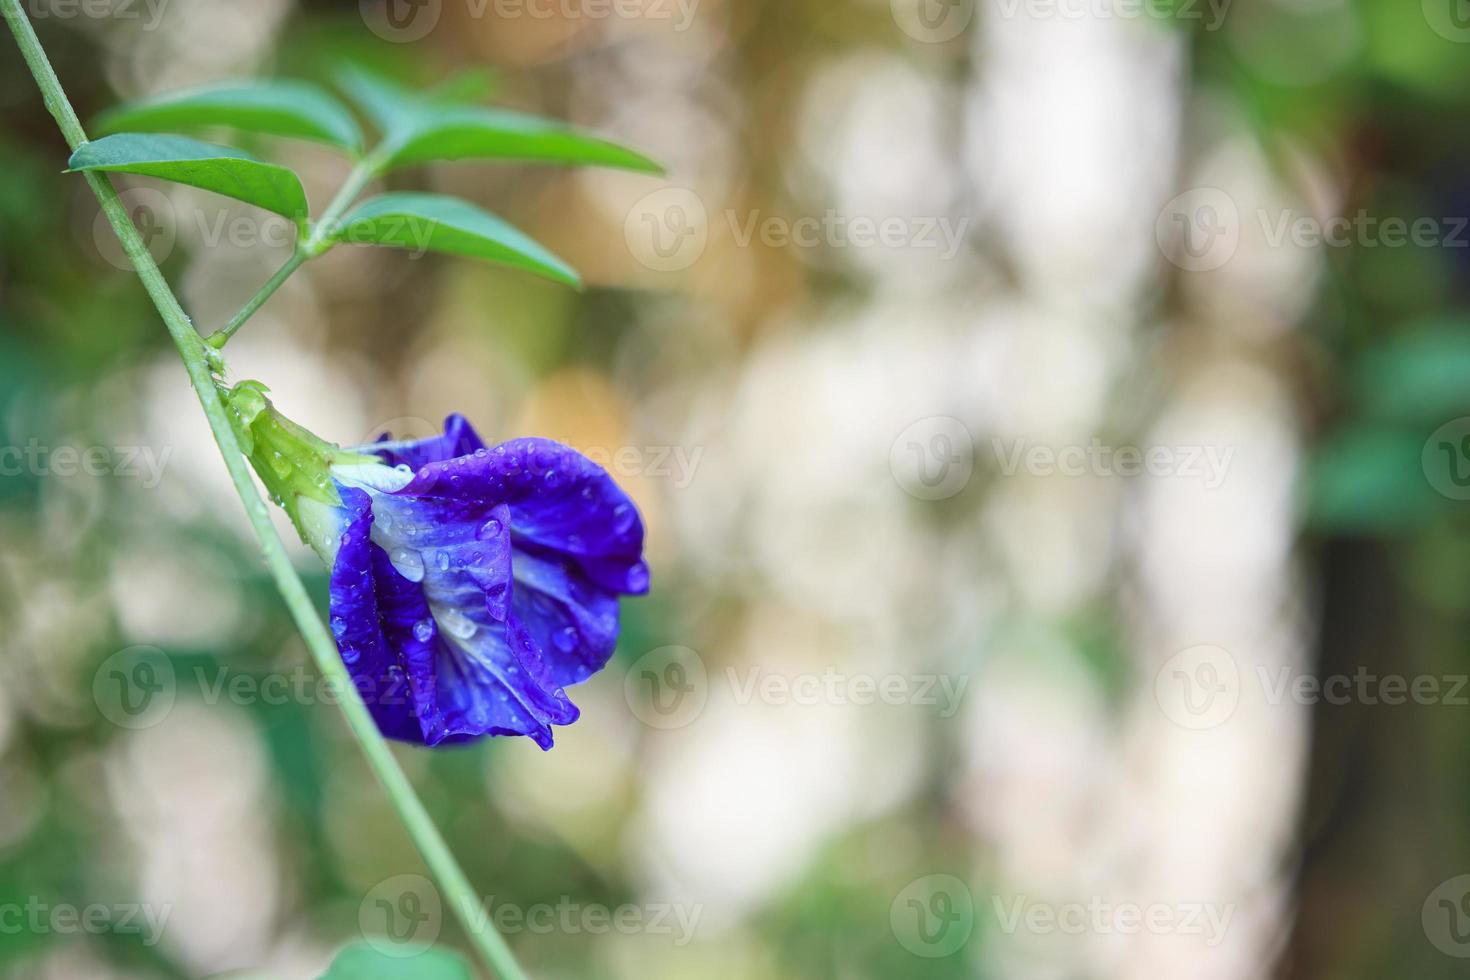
(1030, 403)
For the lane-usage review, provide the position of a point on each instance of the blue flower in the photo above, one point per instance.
(470, 585)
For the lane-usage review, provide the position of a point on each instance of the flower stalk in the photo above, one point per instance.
(202, 363)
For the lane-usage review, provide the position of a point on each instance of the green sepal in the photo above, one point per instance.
(291, 461)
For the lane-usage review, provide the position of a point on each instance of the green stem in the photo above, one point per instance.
(456, 887)
(362, 174)
(222, 336)
(309, 248)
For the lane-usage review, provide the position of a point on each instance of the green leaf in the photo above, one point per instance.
(457, 132)
(204, 165)
(469, 86)
(386, 103)
(417, 130)
(1420, 375)
(1370, 479)
(362, 962)
(434, 222)
(280, 108)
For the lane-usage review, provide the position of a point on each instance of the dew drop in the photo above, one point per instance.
(622, 518)
(422, 630)
(490, 528)
(566, 639)
(442, 561)
(409, 564)
(457, 623)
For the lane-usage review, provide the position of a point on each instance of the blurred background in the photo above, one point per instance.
(1052, 426)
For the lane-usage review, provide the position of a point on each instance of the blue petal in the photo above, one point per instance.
(572, 619)
(472, 669)
(459, 439)
(560, 501)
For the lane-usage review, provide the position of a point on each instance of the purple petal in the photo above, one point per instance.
(560, 501)
(471, 668)
(572, 619)
(459, 439)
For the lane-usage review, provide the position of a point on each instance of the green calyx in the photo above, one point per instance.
(292, 462)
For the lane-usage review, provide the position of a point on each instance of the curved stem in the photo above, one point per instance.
(222, 336)
(457, 889)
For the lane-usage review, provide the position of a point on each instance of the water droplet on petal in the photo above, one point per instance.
(422, 630)
(442, 561)
(457, 623)
(566, 639)
(490, 528)
(410, 564)
(339, 626)
(623, 517)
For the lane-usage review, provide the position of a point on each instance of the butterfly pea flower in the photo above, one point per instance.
(470, 585)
